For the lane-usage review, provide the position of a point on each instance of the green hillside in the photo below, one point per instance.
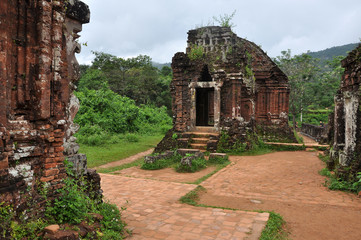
(329, 53)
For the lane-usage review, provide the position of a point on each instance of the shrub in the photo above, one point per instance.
(104, 113)
(197, 164)
(132, 137)
(196, 52)
(72, 204)
(162, 163)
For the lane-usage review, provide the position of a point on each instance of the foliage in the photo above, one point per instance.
(334, 182)
(71, 205)
(249, 72)
(104, 114)
(253, 145)
(298, 137)
(274, 228)
(111, 225)
(162, 163)
(135, 78)
(301, 71)
(93, 79)
(6, 217)
(225, 20)
(197, 165)
(196, 53)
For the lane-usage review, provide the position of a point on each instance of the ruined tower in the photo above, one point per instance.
(223, 77)
(346, 145)
(223, 80)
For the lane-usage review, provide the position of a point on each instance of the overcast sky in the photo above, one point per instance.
(158, 28)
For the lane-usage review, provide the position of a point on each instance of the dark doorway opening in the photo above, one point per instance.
(205, 106)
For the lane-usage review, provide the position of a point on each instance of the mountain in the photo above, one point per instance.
(160, 65)
(329, 53)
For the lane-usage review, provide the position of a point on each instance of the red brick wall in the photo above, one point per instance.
(34, 93)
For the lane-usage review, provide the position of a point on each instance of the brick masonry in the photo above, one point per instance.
(346, 142)
(37, 69)
(233, 76)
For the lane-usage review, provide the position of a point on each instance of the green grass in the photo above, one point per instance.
(99, 155)
(192, 197)
(135, 163)
(274, 228)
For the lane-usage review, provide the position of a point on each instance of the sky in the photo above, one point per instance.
(158, 28)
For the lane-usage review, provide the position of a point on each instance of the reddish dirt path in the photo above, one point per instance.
(287, 183)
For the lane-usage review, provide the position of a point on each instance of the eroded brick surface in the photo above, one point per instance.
(346, 142)
(37, 68)
(233, 79)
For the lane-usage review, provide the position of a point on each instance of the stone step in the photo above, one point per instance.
(205, 129)
(199, 146)
(200, 140)
(202, 134)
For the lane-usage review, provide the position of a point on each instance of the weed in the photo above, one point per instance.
(325, 172)
(197, 164)
(192, 197)
(162, 163)
(196, 53)
(274, 228)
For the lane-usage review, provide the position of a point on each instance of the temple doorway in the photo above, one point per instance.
(205, 107)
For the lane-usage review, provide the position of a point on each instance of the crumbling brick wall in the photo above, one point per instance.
(246, 84)
(346, 144)
(37, 68)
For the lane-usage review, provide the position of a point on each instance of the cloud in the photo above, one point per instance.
(159, 28)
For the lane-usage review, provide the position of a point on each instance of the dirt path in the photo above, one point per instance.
(126, 160)
(287, 183)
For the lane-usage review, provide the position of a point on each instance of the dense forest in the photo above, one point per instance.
(131, 96)
(120, 97)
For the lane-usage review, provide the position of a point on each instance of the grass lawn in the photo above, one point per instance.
(99, 155)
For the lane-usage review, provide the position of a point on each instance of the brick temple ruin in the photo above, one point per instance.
(223, 79)
(346, 124)
(38, 42)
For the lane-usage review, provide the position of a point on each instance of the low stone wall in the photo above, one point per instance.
(313, 131)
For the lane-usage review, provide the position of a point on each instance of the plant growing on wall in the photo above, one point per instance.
(196, 53)
(225, 20)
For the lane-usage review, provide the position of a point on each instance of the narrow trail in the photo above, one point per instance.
(126, 160)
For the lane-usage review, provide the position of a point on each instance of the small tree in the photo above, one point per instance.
(301, 71)
(225, 20)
